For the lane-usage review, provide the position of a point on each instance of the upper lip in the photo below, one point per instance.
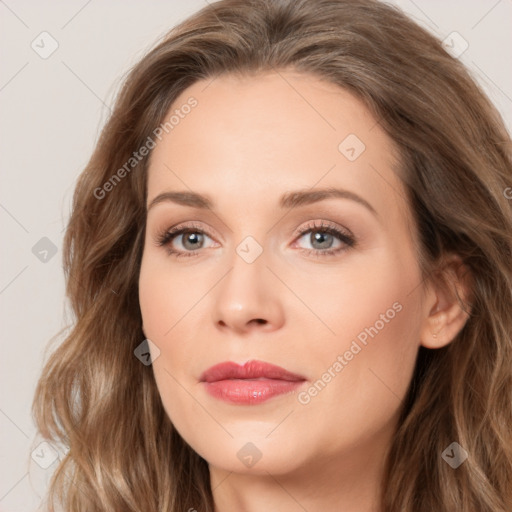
(250, 370)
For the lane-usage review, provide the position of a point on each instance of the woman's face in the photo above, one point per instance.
(300, 253)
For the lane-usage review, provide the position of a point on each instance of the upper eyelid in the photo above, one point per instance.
(182, 227)
(311, 226)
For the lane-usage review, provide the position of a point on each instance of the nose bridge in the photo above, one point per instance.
(245, 283)
(246, 297)
(247, 270)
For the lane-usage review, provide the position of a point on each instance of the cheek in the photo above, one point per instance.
(161, 308)
(170, 321)
(369, 296)
(165, 295)
(363, 370)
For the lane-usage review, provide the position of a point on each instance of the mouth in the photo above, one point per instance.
(249, 384)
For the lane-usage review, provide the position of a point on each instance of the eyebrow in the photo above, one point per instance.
(289, 200)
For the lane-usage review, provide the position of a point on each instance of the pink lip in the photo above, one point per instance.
(250, 384)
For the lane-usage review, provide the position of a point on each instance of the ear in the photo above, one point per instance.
(447, 304)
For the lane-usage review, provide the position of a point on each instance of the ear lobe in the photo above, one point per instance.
(447, 304)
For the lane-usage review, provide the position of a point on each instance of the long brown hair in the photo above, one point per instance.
(99, 400)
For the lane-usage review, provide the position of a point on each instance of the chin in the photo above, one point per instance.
(254, 455)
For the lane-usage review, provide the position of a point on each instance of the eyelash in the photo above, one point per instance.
(165, 238)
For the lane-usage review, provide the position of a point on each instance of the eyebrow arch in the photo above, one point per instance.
(309, 196)
(289, 200)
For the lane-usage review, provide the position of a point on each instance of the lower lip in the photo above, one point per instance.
(250, 392)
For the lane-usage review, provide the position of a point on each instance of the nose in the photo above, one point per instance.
(247, 299)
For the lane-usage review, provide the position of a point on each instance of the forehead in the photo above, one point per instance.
(255, 137)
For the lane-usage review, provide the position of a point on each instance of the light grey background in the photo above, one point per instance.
(51, 112)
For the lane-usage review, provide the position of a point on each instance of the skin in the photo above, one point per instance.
(248, 141)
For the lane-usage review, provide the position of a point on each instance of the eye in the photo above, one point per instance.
(325, 239)
(184, 240)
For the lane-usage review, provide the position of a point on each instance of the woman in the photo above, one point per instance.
(289, 261)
